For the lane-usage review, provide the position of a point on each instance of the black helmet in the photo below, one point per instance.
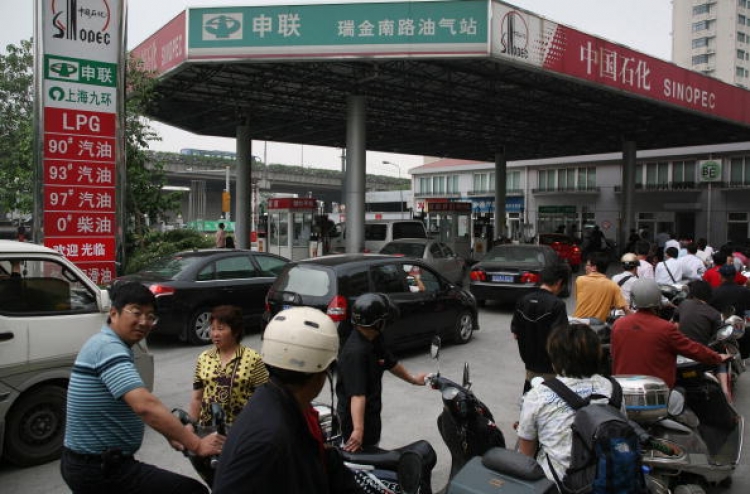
(371, 309)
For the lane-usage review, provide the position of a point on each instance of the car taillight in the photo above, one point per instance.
(337, 309)
(576, 249)
(527, 277)
(271, 293)
(159, 290)
(478, 275)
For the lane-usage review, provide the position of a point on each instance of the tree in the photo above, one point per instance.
(144, 197)
(16, 127)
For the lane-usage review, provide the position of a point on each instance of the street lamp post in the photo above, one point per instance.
(401, 191)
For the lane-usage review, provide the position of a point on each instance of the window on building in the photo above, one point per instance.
(683, 172)
(701, 9)
(547, 179)
(700, 42)
(657, 175)
(741, 37)
(638, 175)
(452, 184)
(480, 182)
(739, 170)
(438, 185)
(425, 185)
(700, 59)
(741, 20)
(742, 4)
(701, 26)
(513, 181)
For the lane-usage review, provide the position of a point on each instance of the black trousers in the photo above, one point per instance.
(85, 474)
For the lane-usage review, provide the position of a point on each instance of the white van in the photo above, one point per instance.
(378, 233)
(48, 309)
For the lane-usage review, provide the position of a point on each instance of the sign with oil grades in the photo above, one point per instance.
(79, 101)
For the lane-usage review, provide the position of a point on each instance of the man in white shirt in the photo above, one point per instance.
(645, 268)
(669, 271)
(672, 242)
(627, 278)
(705, 252)
(692, 266)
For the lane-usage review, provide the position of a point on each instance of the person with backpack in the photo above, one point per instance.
(552, 428)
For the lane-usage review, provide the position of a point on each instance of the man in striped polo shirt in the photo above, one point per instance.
(108, 405)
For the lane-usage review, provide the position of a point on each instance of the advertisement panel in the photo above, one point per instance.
(523, 37)
(425, 29)
(79, 88)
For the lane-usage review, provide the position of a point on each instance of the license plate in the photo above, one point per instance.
(285, 307)
(503, 278)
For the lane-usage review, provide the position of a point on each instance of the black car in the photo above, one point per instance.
(189, 284)
(332, 283)
(509, 271)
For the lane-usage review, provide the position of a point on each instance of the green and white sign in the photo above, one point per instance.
(424, 29)
(710, 171)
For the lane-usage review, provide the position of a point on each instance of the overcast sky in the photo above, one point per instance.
(644, 25)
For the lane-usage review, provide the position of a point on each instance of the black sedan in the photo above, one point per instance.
(189, 284)
(509, 271)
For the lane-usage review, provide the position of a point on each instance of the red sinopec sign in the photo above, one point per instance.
(526, 38)
(165, 49)
(292, 203)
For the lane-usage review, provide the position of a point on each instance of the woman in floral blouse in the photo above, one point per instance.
(227, 374)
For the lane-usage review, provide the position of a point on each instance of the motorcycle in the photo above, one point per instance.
(479, 461)
(674, 294)
(204, 466)
(696, 433)
(726, 341)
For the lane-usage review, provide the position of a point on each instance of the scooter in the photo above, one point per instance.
(726, 341)
(699, 431)
(205, 466)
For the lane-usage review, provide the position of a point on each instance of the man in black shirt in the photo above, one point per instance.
(729, 298)
(362, 362)
(536, 315)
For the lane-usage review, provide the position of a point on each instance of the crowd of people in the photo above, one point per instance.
(267, 395)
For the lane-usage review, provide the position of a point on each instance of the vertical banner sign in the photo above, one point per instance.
(80, 92)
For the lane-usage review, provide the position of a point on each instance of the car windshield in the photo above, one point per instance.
(514, 255)
(404, 249)
(305, 280)
(170, 267)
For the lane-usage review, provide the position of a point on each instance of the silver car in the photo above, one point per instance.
(436, 254)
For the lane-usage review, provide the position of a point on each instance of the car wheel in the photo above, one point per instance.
(464, 327)
(689, 489)
(199, 327)
(36, 427)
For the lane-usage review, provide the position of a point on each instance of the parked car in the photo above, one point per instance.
(378, 233)
(436, 254)
(48, 309)
(567, 248)
(509, 271)
(188, 285)
(333, 283)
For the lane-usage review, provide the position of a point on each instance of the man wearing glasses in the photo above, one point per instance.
(108, 405)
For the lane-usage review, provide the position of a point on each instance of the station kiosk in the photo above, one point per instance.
(451, 222)
(290, 227)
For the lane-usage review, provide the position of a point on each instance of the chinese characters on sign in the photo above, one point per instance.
(80, 88)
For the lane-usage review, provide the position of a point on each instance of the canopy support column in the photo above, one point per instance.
(243, 199)
(501, 165)
(356, 169)
(627, 218)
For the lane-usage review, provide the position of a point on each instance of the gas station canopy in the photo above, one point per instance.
(453, 78)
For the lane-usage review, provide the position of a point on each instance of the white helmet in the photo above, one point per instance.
(300, 339)
(645, 294)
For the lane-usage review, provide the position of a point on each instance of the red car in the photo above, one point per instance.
(566, 247)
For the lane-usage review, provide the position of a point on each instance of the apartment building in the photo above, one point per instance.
(713, 37)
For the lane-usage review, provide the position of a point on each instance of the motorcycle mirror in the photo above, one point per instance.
(435, 348)
(467, 376)
(409, 472)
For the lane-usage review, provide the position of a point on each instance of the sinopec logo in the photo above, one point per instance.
(87, 21)
(222, 26)
(514, 35)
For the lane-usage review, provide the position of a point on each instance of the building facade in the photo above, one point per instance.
(713, 37)
(701, 191)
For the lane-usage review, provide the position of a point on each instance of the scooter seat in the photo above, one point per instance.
(389, 459)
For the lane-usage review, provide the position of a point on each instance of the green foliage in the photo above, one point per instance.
(153, 245)
(16, 127)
